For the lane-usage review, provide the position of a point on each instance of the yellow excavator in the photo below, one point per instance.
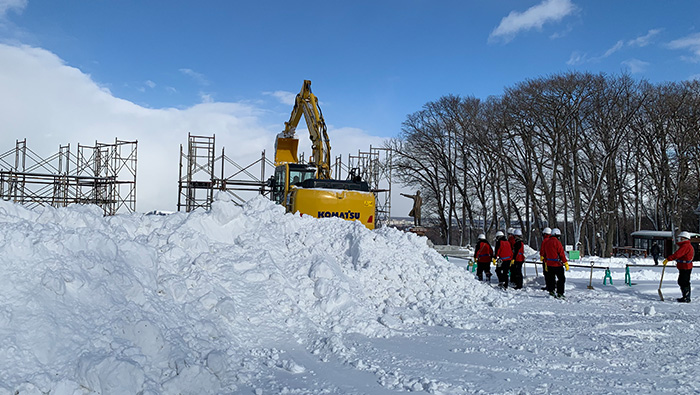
(308, 188)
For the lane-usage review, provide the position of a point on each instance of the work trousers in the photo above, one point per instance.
(555, 279)
(482, 267)
(684, 277)
(502, 272)
(516, 274)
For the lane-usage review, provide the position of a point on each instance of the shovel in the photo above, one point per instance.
(590, 281)
(661, 282)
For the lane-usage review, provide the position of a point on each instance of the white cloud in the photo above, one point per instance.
(618, 45)
(206, 97)
(284, 97)
(14, 5)
(690, 42)
(643, 41)
(50, 104)
(635, 65)
(150, 84)
(576, 58)
(198, 77)
(532, 18)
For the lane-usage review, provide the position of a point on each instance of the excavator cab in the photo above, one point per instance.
(287, 177)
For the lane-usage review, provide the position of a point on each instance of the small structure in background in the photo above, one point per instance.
(644, 239)
(103, 174)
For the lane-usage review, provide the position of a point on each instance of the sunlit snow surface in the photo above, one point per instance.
(251, 300)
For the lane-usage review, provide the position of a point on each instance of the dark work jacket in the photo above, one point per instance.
(519, 250)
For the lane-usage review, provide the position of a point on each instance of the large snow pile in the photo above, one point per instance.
(196, 303)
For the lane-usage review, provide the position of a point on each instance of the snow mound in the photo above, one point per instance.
(138, 303)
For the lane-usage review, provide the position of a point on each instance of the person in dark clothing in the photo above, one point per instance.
(483, 255)
(516, 268)
(504, 254)
(655, 252)
(511, 237)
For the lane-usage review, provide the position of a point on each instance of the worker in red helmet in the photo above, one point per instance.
(684, 263)
(555, 261)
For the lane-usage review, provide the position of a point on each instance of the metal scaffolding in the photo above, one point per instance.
(197, 185)
(198, 181)
(374, 167)
(103, 174)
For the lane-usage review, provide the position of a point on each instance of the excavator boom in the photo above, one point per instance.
(286, 147)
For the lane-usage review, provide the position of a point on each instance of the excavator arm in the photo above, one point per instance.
(286, 145)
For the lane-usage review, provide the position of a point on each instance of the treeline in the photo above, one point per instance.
(598, 156)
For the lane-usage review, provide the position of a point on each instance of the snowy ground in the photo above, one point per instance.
(253, 301)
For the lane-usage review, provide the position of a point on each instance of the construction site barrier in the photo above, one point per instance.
(607, 277)
(471, 266)
(628, 277)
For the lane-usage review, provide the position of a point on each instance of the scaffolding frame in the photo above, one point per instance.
(197, 185)
(198, 180)
(374, 166)
(103, 174)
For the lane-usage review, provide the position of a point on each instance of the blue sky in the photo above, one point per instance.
(371, 63)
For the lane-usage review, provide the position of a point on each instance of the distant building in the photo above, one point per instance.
(643, 239)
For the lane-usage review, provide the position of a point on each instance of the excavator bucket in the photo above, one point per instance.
(286, 150)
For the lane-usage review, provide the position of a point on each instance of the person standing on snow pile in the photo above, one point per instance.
(684, 263)
(655, 253)
(504, 254)
(516, 269)
(546, 234)
(555, 261)
(482, 255)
